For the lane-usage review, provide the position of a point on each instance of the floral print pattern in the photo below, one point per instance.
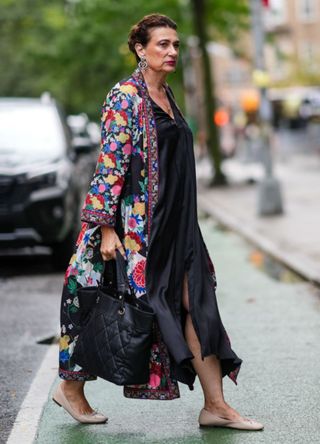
(114, 158)
(122, 194)
(161, 385)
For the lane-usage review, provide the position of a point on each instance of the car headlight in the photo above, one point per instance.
(45, 180)
(53, 175)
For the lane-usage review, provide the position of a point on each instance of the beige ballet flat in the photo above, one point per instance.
(90, 418)
(208, 419)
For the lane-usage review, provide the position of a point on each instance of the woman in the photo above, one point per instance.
(142, 201)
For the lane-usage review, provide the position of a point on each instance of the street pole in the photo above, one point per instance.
(269, 192)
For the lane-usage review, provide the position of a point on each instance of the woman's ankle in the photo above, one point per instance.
(214, 406)
(73, 386)
(221, 408)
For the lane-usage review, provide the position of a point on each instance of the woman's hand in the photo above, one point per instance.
(110, 242)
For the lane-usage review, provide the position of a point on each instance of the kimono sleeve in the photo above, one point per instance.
(101, 202)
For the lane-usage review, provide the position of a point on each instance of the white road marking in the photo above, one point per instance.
(26, 424)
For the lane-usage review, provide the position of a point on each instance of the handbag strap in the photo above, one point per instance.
(123, 285)
(122, 282)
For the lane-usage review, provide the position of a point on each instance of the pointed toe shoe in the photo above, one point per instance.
(90, 418)
(208, 419)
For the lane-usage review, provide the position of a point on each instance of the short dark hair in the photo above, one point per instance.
(139, 32)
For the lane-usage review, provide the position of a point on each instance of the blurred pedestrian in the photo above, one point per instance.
(142, 201)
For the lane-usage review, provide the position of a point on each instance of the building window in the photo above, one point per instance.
(307, 10)
(276, 13)
(308, 56)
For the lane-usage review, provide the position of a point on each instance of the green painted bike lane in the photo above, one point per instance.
(273, 326)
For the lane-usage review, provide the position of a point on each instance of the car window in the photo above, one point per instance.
(33, 131)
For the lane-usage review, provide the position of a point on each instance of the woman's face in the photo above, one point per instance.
(162, 50)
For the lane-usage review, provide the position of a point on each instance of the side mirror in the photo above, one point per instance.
(82, 145)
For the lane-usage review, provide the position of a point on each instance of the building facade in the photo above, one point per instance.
(293, 30)
(292, 55)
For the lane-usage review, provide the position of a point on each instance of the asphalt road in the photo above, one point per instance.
(29, 312)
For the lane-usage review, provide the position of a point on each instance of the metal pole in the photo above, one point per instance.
(269, 192)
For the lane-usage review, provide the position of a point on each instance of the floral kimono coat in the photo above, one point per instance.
(122, 194)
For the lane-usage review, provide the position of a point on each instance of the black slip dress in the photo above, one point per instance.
(176, 247)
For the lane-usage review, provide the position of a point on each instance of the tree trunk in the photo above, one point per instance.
(213, 141)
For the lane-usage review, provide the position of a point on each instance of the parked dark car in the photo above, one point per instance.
(83, 131)
(43, 177)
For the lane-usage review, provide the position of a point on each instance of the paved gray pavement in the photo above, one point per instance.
(29, 301)
(294, 237)
(274, 327)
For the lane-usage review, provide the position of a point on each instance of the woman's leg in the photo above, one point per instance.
(208, 370)
(74, 392)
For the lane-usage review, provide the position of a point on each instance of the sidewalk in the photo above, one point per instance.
(292, 238)
(273, 327)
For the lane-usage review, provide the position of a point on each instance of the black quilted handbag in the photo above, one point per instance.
(115, 341)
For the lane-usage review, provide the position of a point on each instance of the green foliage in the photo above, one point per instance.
(77, 49)
(226, 18)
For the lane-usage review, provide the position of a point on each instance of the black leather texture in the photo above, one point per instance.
(115, 339)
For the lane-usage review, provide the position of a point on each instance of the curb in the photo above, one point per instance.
(298, 263)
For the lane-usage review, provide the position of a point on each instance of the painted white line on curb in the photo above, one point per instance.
(26, 424)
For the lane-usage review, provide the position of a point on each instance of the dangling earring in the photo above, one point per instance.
(143, 64)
